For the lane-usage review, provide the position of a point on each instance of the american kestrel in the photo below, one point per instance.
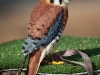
(47, 22)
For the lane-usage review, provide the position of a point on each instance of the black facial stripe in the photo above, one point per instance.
(60, 1)
(52, 1)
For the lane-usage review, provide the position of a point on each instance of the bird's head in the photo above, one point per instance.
(59, 2)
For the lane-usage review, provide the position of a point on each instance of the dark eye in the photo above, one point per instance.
(60, 1)
(51, 1)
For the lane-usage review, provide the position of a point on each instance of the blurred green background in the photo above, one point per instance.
(84, 18)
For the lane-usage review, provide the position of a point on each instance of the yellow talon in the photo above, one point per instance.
(56, 63)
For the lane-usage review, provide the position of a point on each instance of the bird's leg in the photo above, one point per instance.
(22, 64)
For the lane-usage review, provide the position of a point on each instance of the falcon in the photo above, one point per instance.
(46, 24)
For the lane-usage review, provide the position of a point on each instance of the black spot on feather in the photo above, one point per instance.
(52, 1)
(60, 1)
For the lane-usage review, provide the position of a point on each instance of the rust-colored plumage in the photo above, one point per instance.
(34, 58)
(42, 19)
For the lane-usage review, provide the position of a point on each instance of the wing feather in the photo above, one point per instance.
(35, 44)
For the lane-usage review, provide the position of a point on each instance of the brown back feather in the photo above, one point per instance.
(42, 18)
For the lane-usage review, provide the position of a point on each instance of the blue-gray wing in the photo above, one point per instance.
(32, 44)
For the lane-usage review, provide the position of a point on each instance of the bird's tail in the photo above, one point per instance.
(34, 62)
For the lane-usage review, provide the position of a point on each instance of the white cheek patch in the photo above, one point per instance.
(56, 2)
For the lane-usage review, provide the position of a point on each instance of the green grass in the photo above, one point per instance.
(11, 55)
